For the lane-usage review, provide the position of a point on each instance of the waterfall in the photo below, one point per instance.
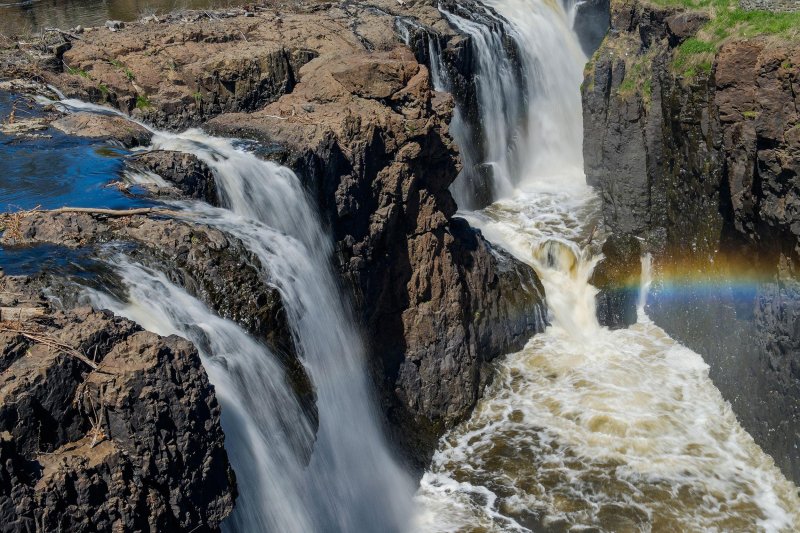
(529, 125)
(266, 431)
(352, 481)
(585, 428)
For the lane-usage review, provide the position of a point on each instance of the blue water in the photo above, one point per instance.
(51, 172)
(58, 171)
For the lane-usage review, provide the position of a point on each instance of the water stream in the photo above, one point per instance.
(529, 119)
(583, 429)
(352, 481)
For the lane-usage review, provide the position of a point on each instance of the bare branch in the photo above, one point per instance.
(51, 342)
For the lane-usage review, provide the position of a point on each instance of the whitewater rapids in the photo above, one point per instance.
(585, 428)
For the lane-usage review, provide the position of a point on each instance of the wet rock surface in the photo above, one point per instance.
(618, 276)
(370, 137)
(328, 90)
(104, 426)
(704, 167)
(186, 172)
(215, 267)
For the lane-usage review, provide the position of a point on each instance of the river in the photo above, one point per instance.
(585, 429)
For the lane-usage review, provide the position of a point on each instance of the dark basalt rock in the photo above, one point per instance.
(618, 276)
(185, 171)
(704, 167)
(134, 444)
(437, 302)
(683, 25)
(592, 20)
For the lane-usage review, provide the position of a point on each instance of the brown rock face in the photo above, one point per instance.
(329, 92)
(706, 169)
(108, 127)
(215, 267)
(133, 444)
(370, 136)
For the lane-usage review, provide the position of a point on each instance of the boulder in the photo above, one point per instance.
(103, 127)
(104, 426)
(185, 171)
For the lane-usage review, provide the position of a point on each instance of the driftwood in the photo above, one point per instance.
(19, 314)
(51, 342)
(115, 212)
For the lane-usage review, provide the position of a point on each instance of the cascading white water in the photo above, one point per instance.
(530, 128)
(585, 427)
(352, 481)
(266, 432)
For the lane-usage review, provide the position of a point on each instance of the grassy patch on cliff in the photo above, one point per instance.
(638, 76)
(694, 56)
(727, 21)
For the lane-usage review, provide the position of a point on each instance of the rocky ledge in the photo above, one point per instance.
(695, 148)
(104, 426)
(330, 91)
(369, 136)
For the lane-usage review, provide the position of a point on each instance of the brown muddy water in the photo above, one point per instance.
(31, 16)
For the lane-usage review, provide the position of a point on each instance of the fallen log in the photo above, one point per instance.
(115, 212)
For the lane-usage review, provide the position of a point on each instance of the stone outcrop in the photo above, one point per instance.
(370, 137)
(104, 426)
(103, 127)
(703, 165)
(209, 264)
(329, 90)
(215, 267)
(185, 171)
(180, 70)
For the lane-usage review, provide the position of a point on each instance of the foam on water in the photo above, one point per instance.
(585, 427)
(590, 427)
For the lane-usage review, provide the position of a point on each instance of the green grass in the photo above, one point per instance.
(727, 21)
(730, 20)
(78, 72)
(693, 57)
(638, 73)
(142, 102)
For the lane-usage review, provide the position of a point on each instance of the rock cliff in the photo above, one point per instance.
(696, 149)
(104, 426)
(331, 91)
